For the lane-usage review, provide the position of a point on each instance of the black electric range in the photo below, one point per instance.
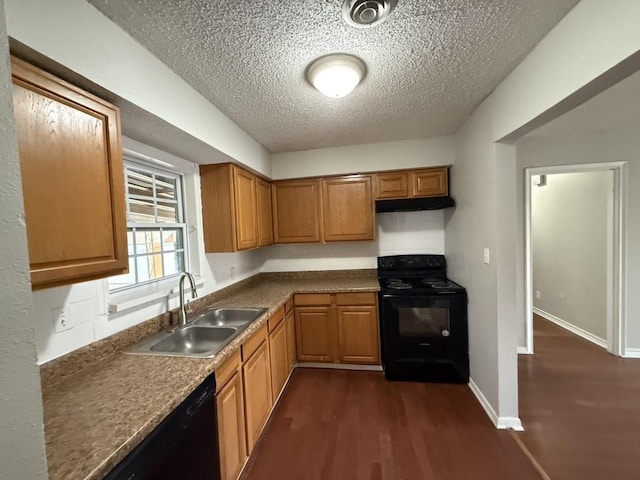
(423, 320)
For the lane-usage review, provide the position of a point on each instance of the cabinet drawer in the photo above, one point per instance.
(253, 342)
(364, 298)
(275, 319)
(313, 299)
(288, 306)
(226, 370)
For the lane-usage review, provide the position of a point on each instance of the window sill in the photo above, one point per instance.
(123, 301)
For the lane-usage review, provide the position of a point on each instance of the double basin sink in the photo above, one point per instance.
(202, 337)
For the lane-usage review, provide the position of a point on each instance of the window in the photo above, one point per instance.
(156, 232)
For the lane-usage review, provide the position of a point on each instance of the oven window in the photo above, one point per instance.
(423, 321)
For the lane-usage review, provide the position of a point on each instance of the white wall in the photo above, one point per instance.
(485, 181)
(76, 35)
(22, 452)
(85, 304)
(613, 146)
(397, 233)
(571, 225)
(427, 152)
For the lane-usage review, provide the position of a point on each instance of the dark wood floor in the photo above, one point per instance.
(580, 407)
(342, 425)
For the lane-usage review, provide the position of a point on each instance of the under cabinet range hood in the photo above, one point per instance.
(414, 204)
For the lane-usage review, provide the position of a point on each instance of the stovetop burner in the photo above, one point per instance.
(397, 284)
(415, 275)
(438, 283)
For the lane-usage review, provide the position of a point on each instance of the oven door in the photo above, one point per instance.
(423, 326)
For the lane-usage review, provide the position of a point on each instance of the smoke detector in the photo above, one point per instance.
(366, 13)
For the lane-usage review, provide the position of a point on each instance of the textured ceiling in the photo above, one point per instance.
(429, 64)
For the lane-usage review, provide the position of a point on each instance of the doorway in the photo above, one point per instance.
(612, 265)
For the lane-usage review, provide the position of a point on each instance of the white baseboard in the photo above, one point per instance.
(632, 353)
(510, 423)
(340, 366)
(502, 423)
(524, 351)
(601, 342)
(491, 413)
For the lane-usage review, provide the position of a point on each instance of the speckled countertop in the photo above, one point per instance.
(96, 416)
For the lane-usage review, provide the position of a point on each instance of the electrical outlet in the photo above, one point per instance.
(233, 271)
(538, 295)
(486, 256)
(60, 321)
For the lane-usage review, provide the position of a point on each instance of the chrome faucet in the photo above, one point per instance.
(182, 313)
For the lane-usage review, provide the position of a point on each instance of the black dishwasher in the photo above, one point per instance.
(184, 446)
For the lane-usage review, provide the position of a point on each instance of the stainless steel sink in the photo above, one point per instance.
(203, 337)
(228, 317)
(195, 340)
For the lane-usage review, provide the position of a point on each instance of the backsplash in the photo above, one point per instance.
(85, 305)
(397, 233)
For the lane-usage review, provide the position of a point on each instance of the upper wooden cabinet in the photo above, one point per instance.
(72, 179)
(265, 213)
(231, 208)
(348, 210)
(246, 210)
(430, 182)
(392, 185)
(297, 211)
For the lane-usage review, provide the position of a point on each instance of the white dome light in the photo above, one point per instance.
(336, 75)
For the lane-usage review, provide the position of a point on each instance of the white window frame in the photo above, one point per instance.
(132, 160)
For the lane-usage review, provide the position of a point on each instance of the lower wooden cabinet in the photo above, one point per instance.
(315, 334)
(231, 428)
(256, 373)
(279, 358)
(343, 330)
(290, 325)
(358, 335)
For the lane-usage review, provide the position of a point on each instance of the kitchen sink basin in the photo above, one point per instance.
(195, 340)
(228, 317)
(203, 337)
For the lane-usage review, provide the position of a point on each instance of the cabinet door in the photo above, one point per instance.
(265, 213)
(72, 179)
(245, 205)
(315, 334)
(347, 208)
(257, 390)
(231, 428)
(279, 360)
(292, 356)
(392, 185)
(358, 335)
(296, 211)
(430, 183)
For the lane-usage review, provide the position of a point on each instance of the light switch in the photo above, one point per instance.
(485, 256)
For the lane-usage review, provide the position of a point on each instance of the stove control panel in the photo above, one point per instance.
(412, 261)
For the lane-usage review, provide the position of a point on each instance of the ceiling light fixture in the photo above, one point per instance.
(336, 75)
